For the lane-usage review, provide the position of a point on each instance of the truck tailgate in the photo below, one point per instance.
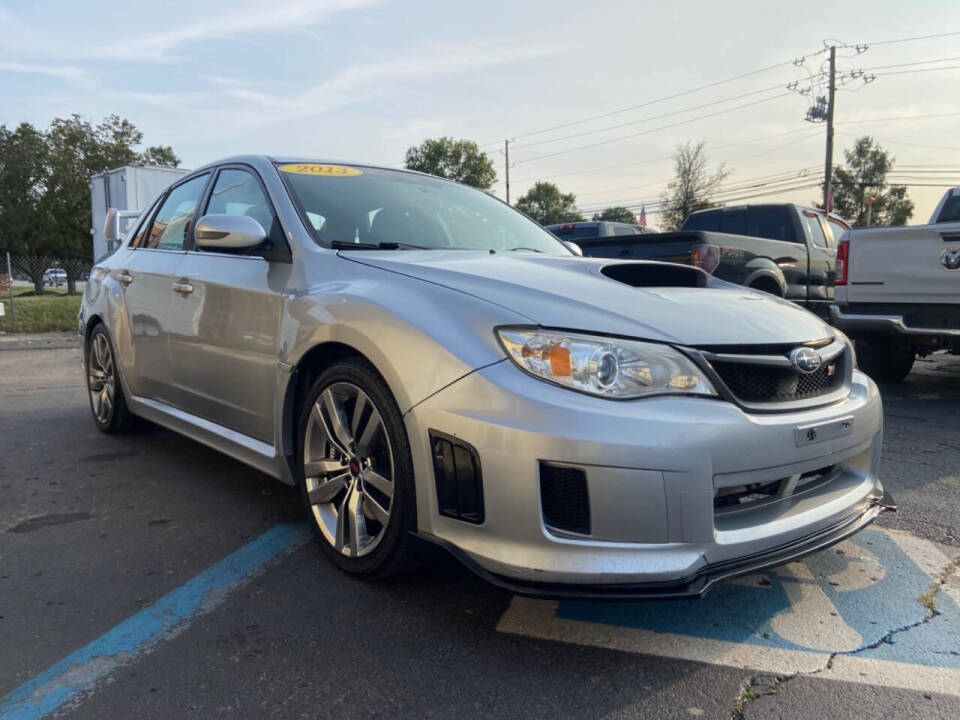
(903, 264)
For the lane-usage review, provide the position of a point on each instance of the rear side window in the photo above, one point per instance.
(773, 223)
(837, 228)
(171, 224)
(734, 222)
(707, 221)
(811, 226)
(621, 230)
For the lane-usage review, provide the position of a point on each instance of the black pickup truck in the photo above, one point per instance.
(784, 249)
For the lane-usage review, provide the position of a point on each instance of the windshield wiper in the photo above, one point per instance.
(346, 245)
(528, 249)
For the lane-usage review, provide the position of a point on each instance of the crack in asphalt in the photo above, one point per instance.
(760, 684)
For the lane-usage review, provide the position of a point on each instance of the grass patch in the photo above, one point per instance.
(51, 312)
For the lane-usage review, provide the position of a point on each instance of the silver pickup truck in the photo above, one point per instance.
(898, 291)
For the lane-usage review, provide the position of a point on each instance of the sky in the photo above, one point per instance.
(362, 80)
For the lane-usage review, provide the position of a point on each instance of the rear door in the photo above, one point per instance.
(908, 264)
(146, 278)
(223, 342)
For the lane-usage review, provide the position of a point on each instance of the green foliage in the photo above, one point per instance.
(865, 175)
(459, 160)
(617, 214)
(50, 312)
(692, 185)
(547, 205)
(45, 186)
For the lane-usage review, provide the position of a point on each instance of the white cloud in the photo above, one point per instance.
(237, 21)
(64, 72)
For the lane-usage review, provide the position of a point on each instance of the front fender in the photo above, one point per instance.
(420, 336)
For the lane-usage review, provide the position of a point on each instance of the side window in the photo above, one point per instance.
(811, 225)
(771, 222)
(237, 192)
(141, 230)
(172, 221)
(734, 222)
(621, 230)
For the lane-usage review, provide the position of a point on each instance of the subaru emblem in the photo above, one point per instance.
(805, 359)
(950, 258)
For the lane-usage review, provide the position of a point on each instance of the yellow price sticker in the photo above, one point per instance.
(320, 169)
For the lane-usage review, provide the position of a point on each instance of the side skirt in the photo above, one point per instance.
(244, 448)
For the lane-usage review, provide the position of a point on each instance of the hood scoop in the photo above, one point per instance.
(656, 275)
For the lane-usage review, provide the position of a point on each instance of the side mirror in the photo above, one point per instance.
(229, 232)
(111, 225)
(573, 247)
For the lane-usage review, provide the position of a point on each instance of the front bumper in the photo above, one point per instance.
(653, 468)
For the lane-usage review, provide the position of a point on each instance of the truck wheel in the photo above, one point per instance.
(886, 359)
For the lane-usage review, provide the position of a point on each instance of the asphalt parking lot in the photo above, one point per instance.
(147, 576)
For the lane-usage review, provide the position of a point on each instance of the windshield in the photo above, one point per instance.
(368, 207)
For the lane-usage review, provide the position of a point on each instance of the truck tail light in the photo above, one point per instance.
(842, 262)
(705, 257)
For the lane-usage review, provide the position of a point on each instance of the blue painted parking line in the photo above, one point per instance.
(840, 605)
(80, 671)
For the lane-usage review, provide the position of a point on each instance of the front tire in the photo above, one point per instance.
(356, 472)
(107, 401)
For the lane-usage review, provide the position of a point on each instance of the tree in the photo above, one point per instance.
(459, 160)
(692, 185)
(45, 187)
(547, 205)
(617, 214)
(160, 156)
(25, 222)
(865, 175)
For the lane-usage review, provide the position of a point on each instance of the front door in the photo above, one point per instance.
(822, 259)
(145, 278)
(223, 341)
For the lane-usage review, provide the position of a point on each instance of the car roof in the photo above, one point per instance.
(264, 160)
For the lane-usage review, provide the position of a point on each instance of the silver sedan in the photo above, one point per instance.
(421, 359)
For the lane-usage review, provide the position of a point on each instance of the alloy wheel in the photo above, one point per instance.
(348, 465)
(101, 375)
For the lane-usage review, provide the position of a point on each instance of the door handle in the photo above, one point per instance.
(124, 278)
(183, 287)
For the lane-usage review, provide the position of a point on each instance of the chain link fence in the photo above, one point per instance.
(40, 293)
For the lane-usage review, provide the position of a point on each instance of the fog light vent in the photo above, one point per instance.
(456, 468)
(563, 497)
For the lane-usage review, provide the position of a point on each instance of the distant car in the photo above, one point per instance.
(421, 358)
(783, 249)
(575, 231)
(55, 277)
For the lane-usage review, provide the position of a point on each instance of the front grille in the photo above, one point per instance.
(765, 383)
(563, 497)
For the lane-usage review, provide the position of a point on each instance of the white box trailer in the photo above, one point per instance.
(131, 188)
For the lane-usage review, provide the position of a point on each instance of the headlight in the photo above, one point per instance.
(604, 366)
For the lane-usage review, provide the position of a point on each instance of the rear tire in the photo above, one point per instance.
(886, 359)
(104, 389)
(355, 470)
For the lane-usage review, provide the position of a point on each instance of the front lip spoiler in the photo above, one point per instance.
(695, 586)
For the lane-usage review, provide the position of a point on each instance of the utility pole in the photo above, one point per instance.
(831, 99)
(506, 155)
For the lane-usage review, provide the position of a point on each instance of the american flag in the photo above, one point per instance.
(642, 218)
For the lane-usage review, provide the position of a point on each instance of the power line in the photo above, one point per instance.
(895, 118)
(901, 40)
(796, 61)
(657, 204)
(650, 119)
(653, 130)
(919, 70)
(911, 64)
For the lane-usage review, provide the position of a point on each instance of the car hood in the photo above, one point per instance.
(572, 293)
